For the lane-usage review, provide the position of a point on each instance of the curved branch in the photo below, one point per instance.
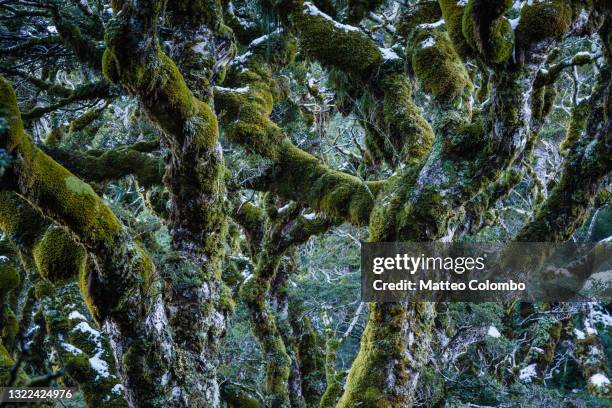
(588, 162)
(110, 164)
(122, 291)
(95, 90)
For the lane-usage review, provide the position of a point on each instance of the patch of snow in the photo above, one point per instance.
(493, 332)
(428, 42)
(582, 19)
(71, 349)
(579, 334)
(4, 258)
(462, 3)
(312, 10)
(599, 380)
(84, 327)
(515, 22)
(100, 366)
(76, 315)
(241, 59)
(601, 316)
(118, 389)
(165, 378)
(284, 208)
(264, 38)
(241, 90)
(528, 373)
(310, 216)
(438, 23)
(388, 54)
(582, 54)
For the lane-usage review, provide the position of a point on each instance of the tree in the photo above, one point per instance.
(211, 118)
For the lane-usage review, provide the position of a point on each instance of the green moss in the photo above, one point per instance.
(543, 20)
(410, 133)
(425, 217)
(501, 42)
(11, 135)
(6, 364)
(357, 9)
(380, 358)
(279, 49)
(483, 91)
(466, 141)
(349, 50)
(54, 137)
(452, 13)
(68, 197)
(78, 367)
(226, 300)
(542, 101)
(235, 397)
(333, 379)
(486, 31)
(310, 354)
(331, 192)
(576, 126)
(263, 324)
(437, 65)
(109, 66)
(78, 186)
(196, 12)
(85, 48)
(9, 276)
(423, 12)
(10, 326)
(383, 221)
(58, 258)
(248, 124)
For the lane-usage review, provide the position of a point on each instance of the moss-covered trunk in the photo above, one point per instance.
(121, 290)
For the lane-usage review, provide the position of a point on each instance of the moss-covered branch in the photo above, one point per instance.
(587, 163)
(434, 60)
(295, 174)
(393, 350)
(31, 43)
(333, 379)
(110, 164)
(85, 49)
(81, 350)
(121, 290)
(487, 32)
(282, 230)
(591, 355)
(403, 135)
(194, 178)
(67, 131)
(86, 92)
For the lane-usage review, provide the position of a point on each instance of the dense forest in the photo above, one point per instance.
(185, 186)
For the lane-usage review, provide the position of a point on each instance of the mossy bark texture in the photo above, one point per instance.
(448, 166)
